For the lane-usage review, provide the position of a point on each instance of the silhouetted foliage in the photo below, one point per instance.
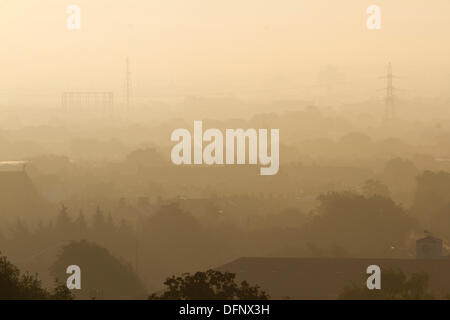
(373, 188)
(17, 286)
(209, 285)
(100, 271)
(432, 193)
(356, 222)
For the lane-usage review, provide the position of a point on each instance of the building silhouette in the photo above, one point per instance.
(429, 248)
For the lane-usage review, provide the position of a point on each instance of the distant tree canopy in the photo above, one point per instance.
(432, 192)
(395, 285)
(400, 175)
(373, 188)
(400, 171)
(371, 225)
(432, 201)
(209, 285)
(145, 157)
(356, 139)
(103, 275)
(17, 286)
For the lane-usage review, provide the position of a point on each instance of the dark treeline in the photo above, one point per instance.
(170, 239)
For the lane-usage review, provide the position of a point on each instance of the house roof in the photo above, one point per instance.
(429, 239)
(19, 197)
(325, 278)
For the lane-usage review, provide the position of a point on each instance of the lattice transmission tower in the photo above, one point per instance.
(389, 112)
(128, 86)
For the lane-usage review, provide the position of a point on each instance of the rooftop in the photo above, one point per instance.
(325, 278)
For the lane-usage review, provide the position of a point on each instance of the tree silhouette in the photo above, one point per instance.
(17, 286)
(209, 285)
(432, 193)
(63, 222)
(81, 226)
(373, 224)
(100, 270)
(375, 188)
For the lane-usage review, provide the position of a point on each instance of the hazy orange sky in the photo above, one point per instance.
(219, 46)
